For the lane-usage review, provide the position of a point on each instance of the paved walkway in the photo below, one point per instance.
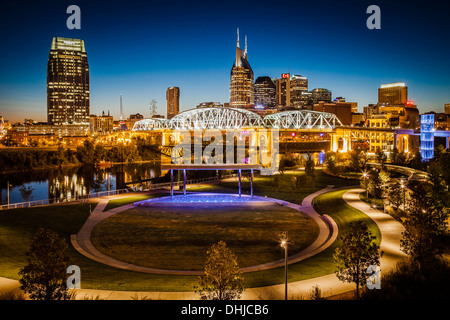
(329, 284)
(327, 234)
(391, 230)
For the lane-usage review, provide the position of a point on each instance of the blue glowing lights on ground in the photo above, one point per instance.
(203, 198)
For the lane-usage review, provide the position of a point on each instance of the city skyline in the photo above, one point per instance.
(132, 52)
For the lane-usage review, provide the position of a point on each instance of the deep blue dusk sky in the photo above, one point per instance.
(139, 49)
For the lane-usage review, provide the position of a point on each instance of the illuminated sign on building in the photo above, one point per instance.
(285, 75)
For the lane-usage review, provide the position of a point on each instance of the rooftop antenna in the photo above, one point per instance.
(245, 44)
(238, 37)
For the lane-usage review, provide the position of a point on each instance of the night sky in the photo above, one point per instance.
(139, 49)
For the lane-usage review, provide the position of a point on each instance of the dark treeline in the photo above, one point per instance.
(87, 153)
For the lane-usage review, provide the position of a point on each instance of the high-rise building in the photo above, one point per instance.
(292, 91)
(67, 82)
(393, 93)
(447, 108)
(283, 90)
(320, 94)
(242, 92)
(299, 85)
(265, 92)
(173, 101)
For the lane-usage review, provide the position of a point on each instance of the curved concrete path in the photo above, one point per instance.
(391, 230)
(329, 284)
(327, 234)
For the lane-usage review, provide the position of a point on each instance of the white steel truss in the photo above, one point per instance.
(151, 124)
(215, 118)
(233, 118)
(302, 119)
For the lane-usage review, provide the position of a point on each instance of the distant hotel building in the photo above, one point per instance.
(393, 93)
(447, 108)
(393, 109)
(265, 92)
(242, 92)
(173, 101)
(67, 82)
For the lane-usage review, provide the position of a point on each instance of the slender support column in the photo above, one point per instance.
(184, 181)
(171, 183)
(251, 182)
(239, 182)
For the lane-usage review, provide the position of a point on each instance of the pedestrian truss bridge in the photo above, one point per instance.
(233, 118)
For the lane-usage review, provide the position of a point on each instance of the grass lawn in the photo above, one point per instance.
(332, 204)
(178, 238)
(18, 226)
(280, 186)
(127, 200)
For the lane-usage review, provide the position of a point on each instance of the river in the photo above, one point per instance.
(68, 183)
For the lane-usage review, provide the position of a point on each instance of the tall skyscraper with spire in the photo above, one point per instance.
(242, 90)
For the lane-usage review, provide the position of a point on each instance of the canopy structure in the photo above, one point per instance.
(185, 167)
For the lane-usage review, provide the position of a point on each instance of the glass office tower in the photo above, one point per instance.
(67, 82)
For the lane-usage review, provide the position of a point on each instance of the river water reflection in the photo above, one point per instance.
(68, 183)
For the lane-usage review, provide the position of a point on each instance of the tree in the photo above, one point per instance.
(222, 279)
(444, 164)
(426, 221)
(26, 192)
(297, 182)
(309, 167)
(99, 153)
(331, 162)
(395, 195)
(60, 156)
(357, 252)
(85, 152)
(358, 160)
(384, 177)
(44, 278)
(375, 185)
(381, 157)
(416, 161)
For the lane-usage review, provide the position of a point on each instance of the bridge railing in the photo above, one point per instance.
(76, 199)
